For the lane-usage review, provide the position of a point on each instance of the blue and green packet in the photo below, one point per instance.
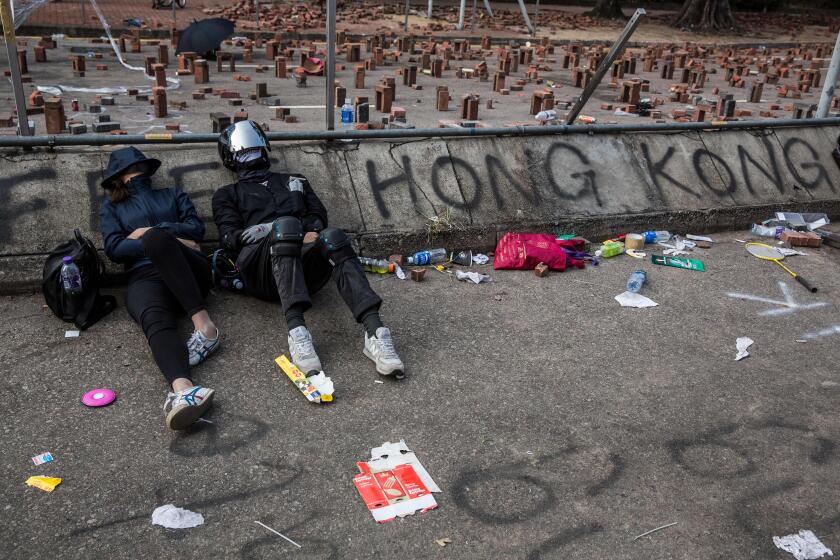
(678, 262)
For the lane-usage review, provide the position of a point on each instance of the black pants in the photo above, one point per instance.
(293, 279)
(177, 281)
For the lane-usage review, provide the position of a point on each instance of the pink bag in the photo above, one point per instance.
(524, 251)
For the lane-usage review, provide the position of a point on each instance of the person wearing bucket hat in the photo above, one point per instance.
(287, 251)
(155, 233)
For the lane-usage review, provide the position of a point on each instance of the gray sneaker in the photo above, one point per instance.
(182, 409)
(303, 351)
(200, 347)
(380, 349)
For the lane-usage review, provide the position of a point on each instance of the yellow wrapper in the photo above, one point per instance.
(299, 379)
(45, 483)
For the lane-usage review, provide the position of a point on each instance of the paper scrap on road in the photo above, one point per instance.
(45, 483)
(322, 383)
(741, 345)
(636, 254)
(790, 252)
(474, 277)
(42, 458)
(173, 517)
(71, 334)
(804, 546)
(631, 299)
(480, 258)
(399, 272)
(699, 238)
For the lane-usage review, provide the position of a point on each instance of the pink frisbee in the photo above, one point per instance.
(99, 397)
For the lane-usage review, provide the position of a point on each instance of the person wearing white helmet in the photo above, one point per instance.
(278, 228)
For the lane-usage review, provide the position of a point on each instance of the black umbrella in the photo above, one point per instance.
(204, 36)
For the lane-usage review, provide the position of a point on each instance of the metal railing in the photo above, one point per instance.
(397, 134)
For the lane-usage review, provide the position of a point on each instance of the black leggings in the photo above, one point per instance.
(176, 281)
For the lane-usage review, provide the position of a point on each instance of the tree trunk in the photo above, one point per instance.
(607, 9)
(706, 15)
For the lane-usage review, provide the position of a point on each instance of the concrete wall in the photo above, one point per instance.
(386, 192)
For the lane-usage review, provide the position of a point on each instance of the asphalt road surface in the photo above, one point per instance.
(557, 423)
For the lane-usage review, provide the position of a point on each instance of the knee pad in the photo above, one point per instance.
(337, 244)
(286, 236)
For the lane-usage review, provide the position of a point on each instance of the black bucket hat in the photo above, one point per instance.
(124, 158)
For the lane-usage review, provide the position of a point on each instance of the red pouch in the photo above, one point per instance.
(524, 251)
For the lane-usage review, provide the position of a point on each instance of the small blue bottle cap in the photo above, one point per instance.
(68, 259)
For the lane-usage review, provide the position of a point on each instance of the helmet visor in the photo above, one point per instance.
(245, 135)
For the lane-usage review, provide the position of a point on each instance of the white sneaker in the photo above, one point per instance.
(303, 350)
(183, 408)
(200, 347)
(380, 349)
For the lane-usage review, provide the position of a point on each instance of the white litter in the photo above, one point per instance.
(631, 299)
(380, 382)
(699, 238)
(279, 534)
(480, 258)
(71, 334)
(636, 254)
(322, 383)
(474, 277)
(399, 272)
(804, 546)
(741, 345)
(791, 252)
(173, 517)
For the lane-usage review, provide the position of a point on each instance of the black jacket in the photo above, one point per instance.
(244, 204)
(170, 209)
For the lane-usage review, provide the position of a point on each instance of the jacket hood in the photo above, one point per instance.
(122, 159)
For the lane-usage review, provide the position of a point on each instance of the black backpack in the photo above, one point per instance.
(86, 308)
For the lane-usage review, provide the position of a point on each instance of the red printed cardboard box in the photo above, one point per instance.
(394, 483)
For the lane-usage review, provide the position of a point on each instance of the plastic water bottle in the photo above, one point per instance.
(379, 266)
(547, 115)
(421, 258)
(656, 236)
(71, 278)
(347, 115)
(636, 280)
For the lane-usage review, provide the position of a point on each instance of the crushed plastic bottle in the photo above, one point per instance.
(427, 257)
(768, 231)
(379, 266)
(636, 281)
(656, 236)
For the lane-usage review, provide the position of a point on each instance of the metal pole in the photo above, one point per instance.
(407, 5)
(486, 5)
(830, 81)
(536, 17)
(257, 10)
(524, 11)
(472, 14)
(429, 15)
(174, 17)
(8, 22)
(330, 73)
(605, 65)
(461, 14)
(50, 140)
(84, 19)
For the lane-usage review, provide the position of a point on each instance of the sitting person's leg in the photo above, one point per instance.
(286, 240)
(189, 278)
(152, 305)
(363, 302)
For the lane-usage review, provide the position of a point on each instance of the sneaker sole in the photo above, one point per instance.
(212, 350)
(395, 373)
(186, 416)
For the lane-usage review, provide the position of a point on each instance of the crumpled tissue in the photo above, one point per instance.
(322, 383)
(804, 546)
(632, 299)
(480, 258)
(473, 277)
(173, 517)
(741, 345)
